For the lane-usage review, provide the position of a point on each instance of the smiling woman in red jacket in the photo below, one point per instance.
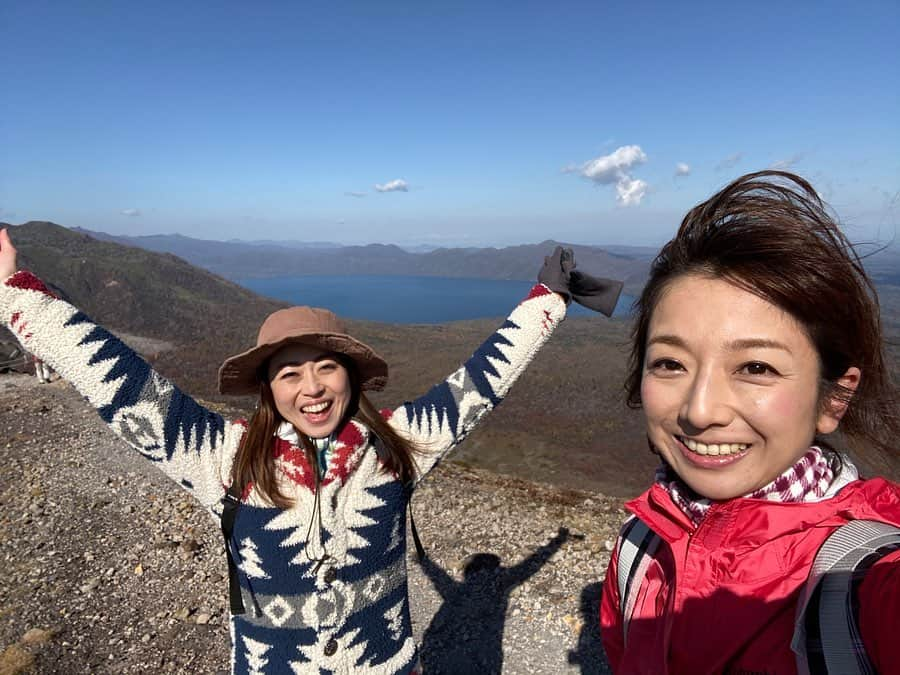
(757, 334)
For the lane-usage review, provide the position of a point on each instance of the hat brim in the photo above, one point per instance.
(239, 374)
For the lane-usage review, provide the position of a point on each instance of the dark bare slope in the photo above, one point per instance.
(159, 295)
(149, 294)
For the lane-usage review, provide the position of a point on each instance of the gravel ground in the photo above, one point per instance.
(110, 568)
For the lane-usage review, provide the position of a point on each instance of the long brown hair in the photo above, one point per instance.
(254, 461)
(770, 234)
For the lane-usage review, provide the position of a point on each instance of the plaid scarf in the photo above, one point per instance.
(806, 481)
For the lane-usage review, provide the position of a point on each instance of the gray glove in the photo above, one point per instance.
(559, 275)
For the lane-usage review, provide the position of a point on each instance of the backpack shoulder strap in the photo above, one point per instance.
(826, 634)
(231, 502)
(637, 544)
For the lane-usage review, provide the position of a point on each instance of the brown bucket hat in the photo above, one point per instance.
(308, 326)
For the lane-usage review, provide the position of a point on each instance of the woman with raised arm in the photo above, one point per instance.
(313, 490)
(758, 548)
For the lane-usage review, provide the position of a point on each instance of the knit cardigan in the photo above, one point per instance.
(349, 614)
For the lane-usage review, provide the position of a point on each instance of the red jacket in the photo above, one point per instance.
(721, 597)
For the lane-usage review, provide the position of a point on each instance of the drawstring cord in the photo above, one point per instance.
(317, 509)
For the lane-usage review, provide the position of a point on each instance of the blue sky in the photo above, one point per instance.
(439, 123)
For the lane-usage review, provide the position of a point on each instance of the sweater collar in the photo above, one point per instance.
(345, 452)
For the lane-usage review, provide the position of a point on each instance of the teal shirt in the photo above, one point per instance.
(323, 446)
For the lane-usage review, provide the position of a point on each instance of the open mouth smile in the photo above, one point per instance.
(317, 413)
(712, 449)
(711, 455)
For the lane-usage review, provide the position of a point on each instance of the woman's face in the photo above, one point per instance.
(730, 387)
(311, 388)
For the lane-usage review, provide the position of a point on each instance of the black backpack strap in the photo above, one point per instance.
(408, 489)
(420, 550)
(826, 631)
(231, 502)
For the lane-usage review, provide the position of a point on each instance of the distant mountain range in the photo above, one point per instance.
(268, 258)
(246, 260)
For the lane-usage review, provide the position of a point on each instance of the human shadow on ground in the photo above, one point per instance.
(589, 654)
(466, 633)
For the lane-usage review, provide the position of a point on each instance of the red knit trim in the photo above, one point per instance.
(340, 465)
(294, 464)
(350, 435)
(349, 441)
(537, 291)
(27, 281)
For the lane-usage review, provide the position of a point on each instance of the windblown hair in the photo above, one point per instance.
(770, 234)
(255, 462)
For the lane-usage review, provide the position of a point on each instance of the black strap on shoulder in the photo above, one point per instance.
(420, 550)
(231, 502)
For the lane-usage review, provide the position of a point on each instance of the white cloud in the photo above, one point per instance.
(131, 212)
(682, 169)
(397, 185)
(630, 191)
(729, 161)
(611, 168)
(358, 195)
(615, 169)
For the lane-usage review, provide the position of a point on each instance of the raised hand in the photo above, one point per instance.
(559, 275)
(7, 256)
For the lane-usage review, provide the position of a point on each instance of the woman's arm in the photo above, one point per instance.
(443, 417)
(191, 444)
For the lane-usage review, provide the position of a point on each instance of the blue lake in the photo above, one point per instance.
(402, 299)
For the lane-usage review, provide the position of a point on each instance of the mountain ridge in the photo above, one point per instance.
(244, 260)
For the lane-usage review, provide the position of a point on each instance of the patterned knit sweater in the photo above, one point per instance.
(349, 614)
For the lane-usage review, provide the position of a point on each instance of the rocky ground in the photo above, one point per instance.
(107, 567)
